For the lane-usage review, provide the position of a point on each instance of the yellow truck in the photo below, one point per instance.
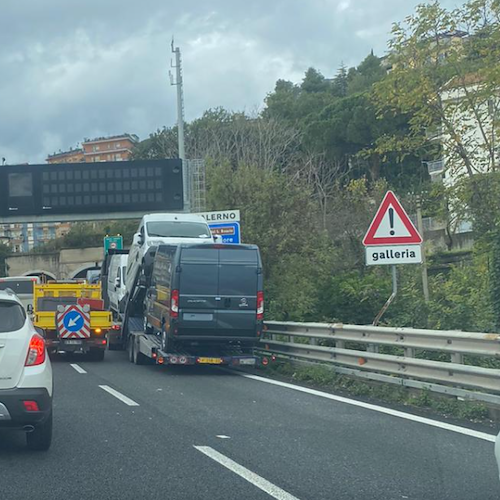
(71, 317)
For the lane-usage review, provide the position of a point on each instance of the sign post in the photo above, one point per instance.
(392, 239)
(225, 224)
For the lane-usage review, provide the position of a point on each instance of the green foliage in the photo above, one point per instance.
(86, 234)
(281, 218)
(495, 281)
(355, 297)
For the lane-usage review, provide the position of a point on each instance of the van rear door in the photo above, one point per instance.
(239, 275)
(198, 291)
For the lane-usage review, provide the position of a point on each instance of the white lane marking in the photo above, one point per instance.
(223, 436)
(119, 395)
(79, 369)
(261, 483)
(388, 411)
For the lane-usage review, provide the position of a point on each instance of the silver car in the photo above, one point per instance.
(22, 286)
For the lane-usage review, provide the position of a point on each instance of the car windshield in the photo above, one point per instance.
(12, 317)
(175, 229)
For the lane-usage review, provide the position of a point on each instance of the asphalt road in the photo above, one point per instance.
(204, 433)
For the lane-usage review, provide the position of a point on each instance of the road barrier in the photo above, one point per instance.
(395, 355)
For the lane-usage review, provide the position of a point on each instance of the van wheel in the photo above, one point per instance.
(40, 438)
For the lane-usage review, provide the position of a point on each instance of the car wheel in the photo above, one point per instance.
(40, 438)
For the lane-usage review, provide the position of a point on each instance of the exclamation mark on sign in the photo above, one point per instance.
(391, 221)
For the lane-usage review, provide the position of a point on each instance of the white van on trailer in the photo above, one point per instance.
(164, 229)
(116, 288)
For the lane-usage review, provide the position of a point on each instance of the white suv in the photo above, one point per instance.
(25, 375)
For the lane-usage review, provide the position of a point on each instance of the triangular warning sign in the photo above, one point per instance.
(391, 225)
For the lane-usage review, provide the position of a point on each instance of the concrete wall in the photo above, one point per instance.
(64, 264)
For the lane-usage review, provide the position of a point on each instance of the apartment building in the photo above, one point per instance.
(71, 156)
(114, 148)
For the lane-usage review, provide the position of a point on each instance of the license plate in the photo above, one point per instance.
(73, 342)
(248, 361)
(210, 361)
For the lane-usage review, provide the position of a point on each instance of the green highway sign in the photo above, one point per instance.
(113, 243)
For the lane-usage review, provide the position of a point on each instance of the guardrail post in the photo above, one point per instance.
(457, 358)
(340, 344)
(372, 348)
(409, 352)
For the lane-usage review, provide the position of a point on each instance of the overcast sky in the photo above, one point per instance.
(71, 69)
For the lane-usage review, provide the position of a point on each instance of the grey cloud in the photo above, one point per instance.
(73, 69)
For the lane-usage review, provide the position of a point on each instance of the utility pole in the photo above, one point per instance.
(178, 82)
(420, 226)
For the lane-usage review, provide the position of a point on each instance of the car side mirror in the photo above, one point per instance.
(29, 308)
(138, 240)
(118, 282)
(217, 238)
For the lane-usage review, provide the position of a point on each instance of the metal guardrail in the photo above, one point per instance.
(329, 343)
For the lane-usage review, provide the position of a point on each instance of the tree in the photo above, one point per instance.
(365, 75)
(445, 75)
(222, 135)
(341, 82)
(280, 216)
(314, 81)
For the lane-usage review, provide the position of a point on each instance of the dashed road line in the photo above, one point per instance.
(119, 395)
(78, 368)
(261, 483)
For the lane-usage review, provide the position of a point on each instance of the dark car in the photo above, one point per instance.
(206, 294)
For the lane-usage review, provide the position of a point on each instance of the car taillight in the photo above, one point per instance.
(260, 305)
(174, 304)
(36, 351)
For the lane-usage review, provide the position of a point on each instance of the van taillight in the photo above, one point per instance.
(36, 351)
(174, 304)
(260, 305)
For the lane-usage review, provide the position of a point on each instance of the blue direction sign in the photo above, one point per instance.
(73, 321)
(229, 231)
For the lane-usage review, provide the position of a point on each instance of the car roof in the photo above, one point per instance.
(9, 296)
(173, 217)
(20, 278)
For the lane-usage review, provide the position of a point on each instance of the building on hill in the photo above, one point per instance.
(71, 156)
(114, 148)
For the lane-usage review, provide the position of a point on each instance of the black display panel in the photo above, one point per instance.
(83, 188)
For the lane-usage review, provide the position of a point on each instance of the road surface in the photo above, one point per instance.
(131, 432)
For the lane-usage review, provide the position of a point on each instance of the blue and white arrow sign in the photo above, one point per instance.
(73, 323)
